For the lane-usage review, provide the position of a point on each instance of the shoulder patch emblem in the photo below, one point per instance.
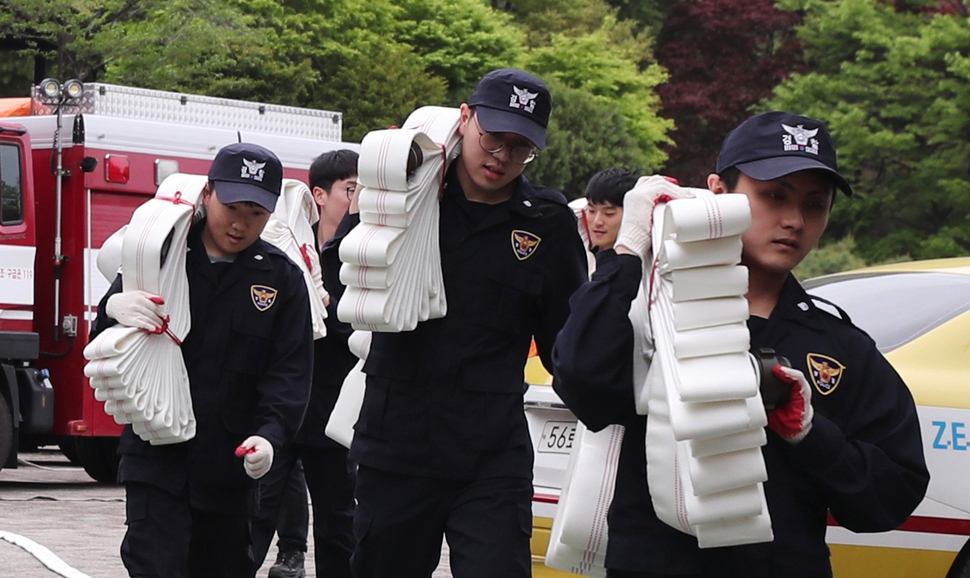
(263, 296)
(826, 372)
(524, 244)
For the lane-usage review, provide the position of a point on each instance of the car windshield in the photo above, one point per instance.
(895, 308)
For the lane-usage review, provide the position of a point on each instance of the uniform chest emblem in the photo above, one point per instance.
(263, 296)
(825, 372)
(524, 244)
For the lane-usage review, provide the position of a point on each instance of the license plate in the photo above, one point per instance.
(557, 437)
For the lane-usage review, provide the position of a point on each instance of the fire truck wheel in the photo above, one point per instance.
(6, 431)
(99, 458)
(69, 449)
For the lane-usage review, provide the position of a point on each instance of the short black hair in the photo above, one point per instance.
(610, 185)
(731, 175)
(332, 166)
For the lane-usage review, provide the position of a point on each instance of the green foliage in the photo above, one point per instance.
(894, 89)
(208, 47)
(832, 258)
(608, 71)
(373, 60)
(16, 75)
(586, 134)
(378, 86)
(458, 40)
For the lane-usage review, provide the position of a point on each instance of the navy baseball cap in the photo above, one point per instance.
(247, 172)
(510, 100)
(774, 144)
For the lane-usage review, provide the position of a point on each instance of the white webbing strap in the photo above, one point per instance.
(705, 418)
(577, 541)
(346, 410)
(290, 229)
(391, 260)
(141, 376)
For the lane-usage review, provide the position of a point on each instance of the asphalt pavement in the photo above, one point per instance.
(60, 508)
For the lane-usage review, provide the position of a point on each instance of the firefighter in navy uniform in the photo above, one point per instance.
(442, 443)
(249, 356)
(847, 441)
(329, 477)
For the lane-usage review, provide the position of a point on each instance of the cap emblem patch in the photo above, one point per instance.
(252, 170)
(825, 372)
(263, 296)
(800, 139)
(524, 244)
(522, 99)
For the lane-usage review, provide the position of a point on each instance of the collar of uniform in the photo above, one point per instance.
(253, 257)
(522, 201)
(794, 304)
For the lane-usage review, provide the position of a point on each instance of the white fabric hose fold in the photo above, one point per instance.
(346, 410)
(391, 260)
(290, 229)
(140, 376)
(577, 541)
(705, 418)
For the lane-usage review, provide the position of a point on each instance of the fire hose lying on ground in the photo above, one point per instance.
(700, 393)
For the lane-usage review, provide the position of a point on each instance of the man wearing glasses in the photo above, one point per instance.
(442, 444)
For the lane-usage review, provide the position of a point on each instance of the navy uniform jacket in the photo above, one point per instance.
(249, 374)
(862, 460)
(445, 400)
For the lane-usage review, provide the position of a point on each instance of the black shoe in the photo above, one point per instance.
(288, 565)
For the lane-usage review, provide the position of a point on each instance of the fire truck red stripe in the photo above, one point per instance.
(925, 524)
(929, 525)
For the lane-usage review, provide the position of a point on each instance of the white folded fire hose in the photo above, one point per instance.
(717, 446)
(43, 555)
(346, 410)
(141, 376)
(577, 541)
(391, 260)
(290, 228)
(705, 417)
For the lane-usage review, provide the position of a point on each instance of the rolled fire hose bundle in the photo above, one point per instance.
(391, 260)
(705, 418)
(290, 229)
(346, 410)
(141, 376)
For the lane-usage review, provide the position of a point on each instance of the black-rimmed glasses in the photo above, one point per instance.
(519, 154)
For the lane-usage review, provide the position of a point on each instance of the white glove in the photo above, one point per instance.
(257, 454)
(138, 309)
(579, 209)
(638, 206)
(793, 420)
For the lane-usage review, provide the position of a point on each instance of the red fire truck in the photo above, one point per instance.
(73, 168)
